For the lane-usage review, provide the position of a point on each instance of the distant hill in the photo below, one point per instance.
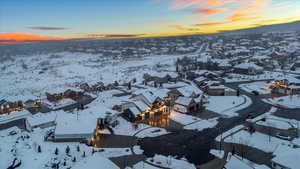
(292, 26)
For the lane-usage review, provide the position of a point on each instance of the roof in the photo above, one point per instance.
(185, 101)
(41, 118)
(95, 161)
(201, 78)
(286, 156)
(134, 110)
(141, 105)
(218, 87)
(14, 116)
(68, 123)
(188, 91)
(248, 65)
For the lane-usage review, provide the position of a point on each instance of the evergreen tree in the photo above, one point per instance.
(39, 149)
(67, 150)
(56, 151)
(129, 86)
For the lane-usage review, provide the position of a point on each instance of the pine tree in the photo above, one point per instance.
(39, 149)
(129, 86)
(74, 159)
(56, 151)
(67, 150)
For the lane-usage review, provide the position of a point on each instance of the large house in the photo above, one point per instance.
(248, 68)
(41, 120)
(221, 90)
(286, 85)
(188, 105)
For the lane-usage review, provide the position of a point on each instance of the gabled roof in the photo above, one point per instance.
(248, 65)
(185, 101)
(134, 110)
(141, 105)
(188, 91)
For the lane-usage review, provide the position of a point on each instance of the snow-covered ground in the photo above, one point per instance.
(45, 72)
(228, 105)
(183, 119)
(202, 124)
(277, 122)
(260, 87)
(292, 101)
(258, 140)
(236, 162)
(170, 162)
(24, 147)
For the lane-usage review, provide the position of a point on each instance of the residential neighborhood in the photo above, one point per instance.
(227, 101)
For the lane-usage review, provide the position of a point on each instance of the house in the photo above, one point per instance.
(7, 107)
(187, 105)
(221, 90)
(286, 85)
(248, 68)
(295, 66)
(136, 111)
(41, 120)
(82, 126)
(74, 128)
(14, 116)
(173, 94)
(286, 158)
(190, 91)
(133, 114)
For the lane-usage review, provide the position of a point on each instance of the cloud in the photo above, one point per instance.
(201, 13)
(46, 28)
(25, 37)
(178, 4)
(253, 10)
(113, 35)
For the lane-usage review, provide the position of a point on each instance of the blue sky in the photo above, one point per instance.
(82, 19)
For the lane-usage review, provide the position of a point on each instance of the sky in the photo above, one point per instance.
(44, 20)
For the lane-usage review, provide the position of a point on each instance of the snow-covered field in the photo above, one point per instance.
(258, 140)
(183, 119)
(277, 122)
(260, 87)
(61, 70)
(202, 124)
(24, 147)
(228, 105)
(292, 101)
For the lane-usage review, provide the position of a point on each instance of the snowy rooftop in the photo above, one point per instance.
(183, 101)
(14, 116)
(41, 118)
(187, 91)
(248, 65)
(68, 123)
(141, 105)
(95, 162)
(287, 156)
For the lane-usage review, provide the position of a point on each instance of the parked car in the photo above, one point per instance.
(255, 92)
(284, 136)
